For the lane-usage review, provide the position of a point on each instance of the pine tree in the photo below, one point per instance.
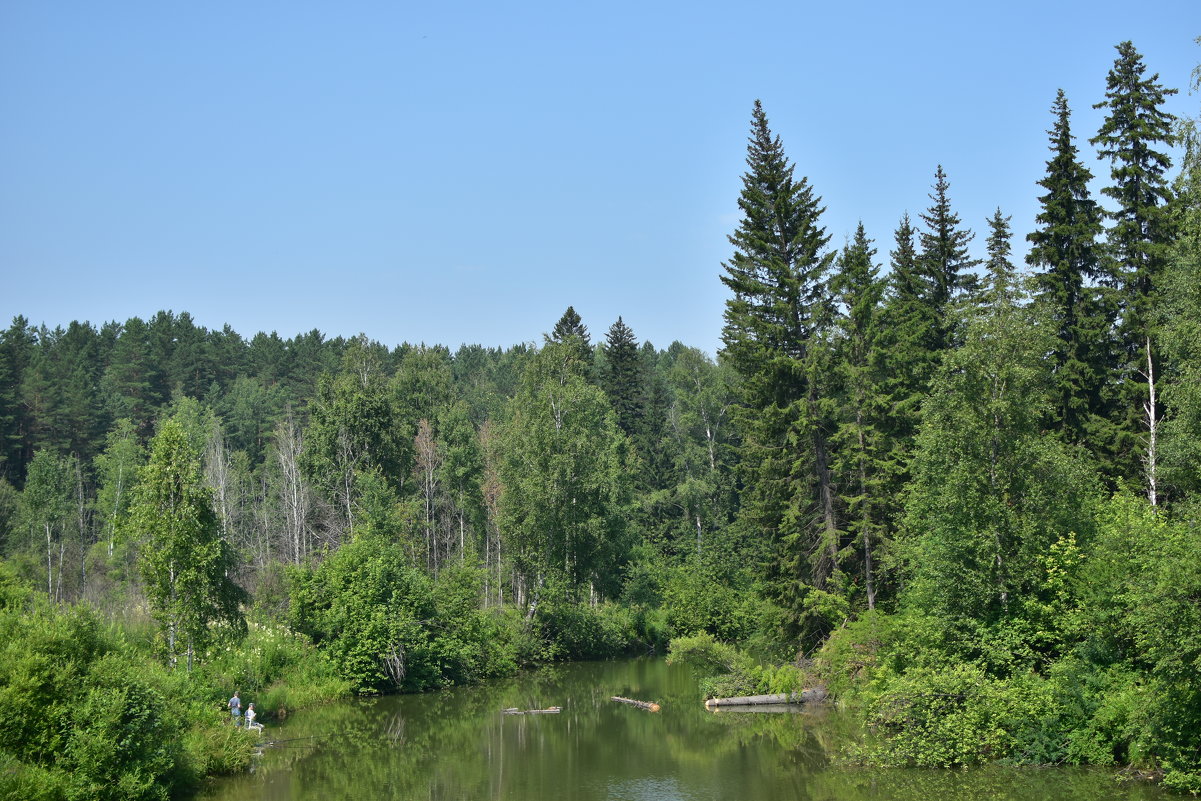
(1073, 283)
(1141, 236)
(774, 325)
(130, 380)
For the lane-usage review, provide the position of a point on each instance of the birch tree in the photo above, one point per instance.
(184, 561)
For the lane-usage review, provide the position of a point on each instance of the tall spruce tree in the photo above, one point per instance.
(1180, 322)
(622, 377)
(860, 462)
(571, 328)
(944, 260)
(906, 357)
(1134, 137)
(1074, 284)
(1001, 276)
(774, 325)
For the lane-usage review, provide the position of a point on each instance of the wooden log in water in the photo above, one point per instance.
(550, 710)
(649, 705)
(810, 696)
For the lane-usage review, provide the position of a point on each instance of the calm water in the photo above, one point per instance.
(457, 745)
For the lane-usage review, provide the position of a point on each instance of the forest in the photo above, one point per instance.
(960, 491)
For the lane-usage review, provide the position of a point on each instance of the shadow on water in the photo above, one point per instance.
(458, 745)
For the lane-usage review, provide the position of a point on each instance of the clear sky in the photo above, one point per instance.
(462, 172)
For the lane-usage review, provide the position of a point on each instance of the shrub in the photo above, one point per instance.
(695, 601)
(122, 737)
(954, 716)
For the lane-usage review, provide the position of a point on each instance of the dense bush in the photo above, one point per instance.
(954, 716)
(729, 671)
(367, 607)
(89, 716)
(1100, 665)
(695, 601)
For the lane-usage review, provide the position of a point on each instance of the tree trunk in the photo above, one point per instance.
(1153, 430)
(49, 562)
(865, 522)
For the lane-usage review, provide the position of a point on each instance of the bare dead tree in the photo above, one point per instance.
(294, 494)
(428, 460)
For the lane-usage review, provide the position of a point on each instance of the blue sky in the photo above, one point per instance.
(462, 172)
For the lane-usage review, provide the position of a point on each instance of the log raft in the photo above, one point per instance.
(648, 705)
(811, 696)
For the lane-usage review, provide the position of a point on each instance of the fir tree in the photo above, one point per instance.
(907, 356)
(1073, 283)
(1001, 278)
(622, 378)
(571, 328)
(860, 464)
(944, 260)
(1134, 137)
(772, 336)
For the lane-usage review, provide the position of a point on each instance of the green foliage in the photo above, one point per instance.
(563, 471)
(184, 561)
(696, 601)
(353, 429)
(990, 492)
(568, 630)
(470, 643)
(706, 653)
(121, 746)
(1097, 665)
(46, 511)
(775, 324)
(953, 716)
(366, 606)
(88, 716)
(735, 672)
(1180, 326)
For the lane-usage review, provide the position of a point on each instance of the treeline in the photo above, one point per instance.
(938, 478)
(302, 440)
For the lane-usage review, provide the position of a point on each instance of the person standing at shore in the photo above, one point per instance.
(235, 709)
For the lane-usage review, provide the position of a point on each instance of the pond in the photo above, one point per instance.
(458, 744)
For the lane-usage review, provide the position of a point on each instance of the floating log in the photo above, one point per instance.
(756, 709)
(649, 705)
(550, 710)
(810, 696)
